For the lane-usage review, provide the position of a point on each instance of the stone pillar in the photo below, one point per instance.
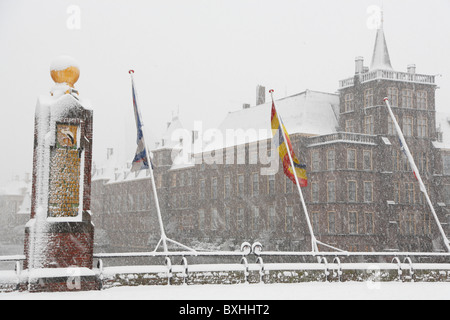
(59, 237)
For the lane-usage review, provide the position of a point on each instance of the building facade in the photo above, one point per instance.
(361, 196)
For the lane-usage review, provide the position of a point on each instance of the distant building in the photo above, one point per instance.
(15, 208)
(361, 193)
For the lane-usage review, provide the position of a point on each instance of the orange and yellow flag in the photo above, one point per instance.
(300, 169)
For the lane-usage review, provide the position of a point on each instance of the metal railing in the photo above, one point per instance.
(389, 75)
(328, 266)
(342, 137)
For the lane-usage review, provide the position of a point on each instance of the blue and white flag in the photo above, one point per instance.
(140, 160)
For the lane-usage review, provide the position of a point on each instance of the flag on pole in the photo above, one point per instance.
(283, 147)
(140, 160)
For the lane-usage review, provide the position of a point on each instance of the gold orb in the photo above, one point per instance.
(64, 69)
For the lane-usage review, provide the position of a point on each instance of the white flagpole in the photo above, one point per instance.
(416, 171)
(313, 238)
(164, 239)
(155, 194)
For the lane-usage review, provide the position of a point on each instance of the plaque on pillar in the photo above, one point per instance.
(59, 237)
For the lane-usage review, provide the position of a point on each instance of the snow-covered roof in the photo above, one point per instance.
(174, 137)
(171, 137)
(309, 112)
(107, 169)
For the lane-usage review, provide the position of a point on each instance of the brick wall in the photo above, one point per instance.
(66, 243)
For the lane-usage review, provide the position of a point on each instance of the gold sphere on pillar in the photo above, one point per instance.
(64, 69)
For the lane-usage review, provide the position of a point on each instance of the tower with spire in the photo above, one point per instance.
(364, 113)
(411, 94)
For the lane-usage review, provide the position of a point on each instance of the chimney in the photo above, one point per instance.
(359, 65)
(194, 135)
(411, 68)
(109, 153)
(246, 106)
(260, 95)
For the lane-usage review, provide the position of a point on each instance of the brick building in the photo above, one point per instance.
(361, 193)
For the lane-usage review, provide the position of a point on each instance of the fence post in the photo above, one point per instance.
(185, 273)
(261, 269)
(246, 273)
(411, 269)
(327, 272)
(339, 271)
(399, 266)
(168, 263)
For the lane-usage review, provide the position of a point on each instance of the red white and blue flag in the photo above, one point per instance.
(140, 161)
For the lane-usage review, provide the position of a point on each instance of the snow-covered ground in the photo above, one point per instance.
(297, 291)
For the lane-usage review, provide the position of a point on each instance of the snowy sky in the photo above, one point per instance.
(201, 57)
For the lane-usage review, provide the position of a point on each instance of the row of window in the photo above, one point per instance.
(352, 191)
(409, 126)
(357, 223)
(406, 99)
(316, 163)
(403, 193)
(131, 202)
(178, 180)
(415, 223)
(315, 198)
(400, 162)
(255, 189)
(236, 220)
(410, 223)
(408, 193)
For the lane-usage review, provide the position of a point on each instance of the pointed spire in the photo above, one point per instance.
(380, 58)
